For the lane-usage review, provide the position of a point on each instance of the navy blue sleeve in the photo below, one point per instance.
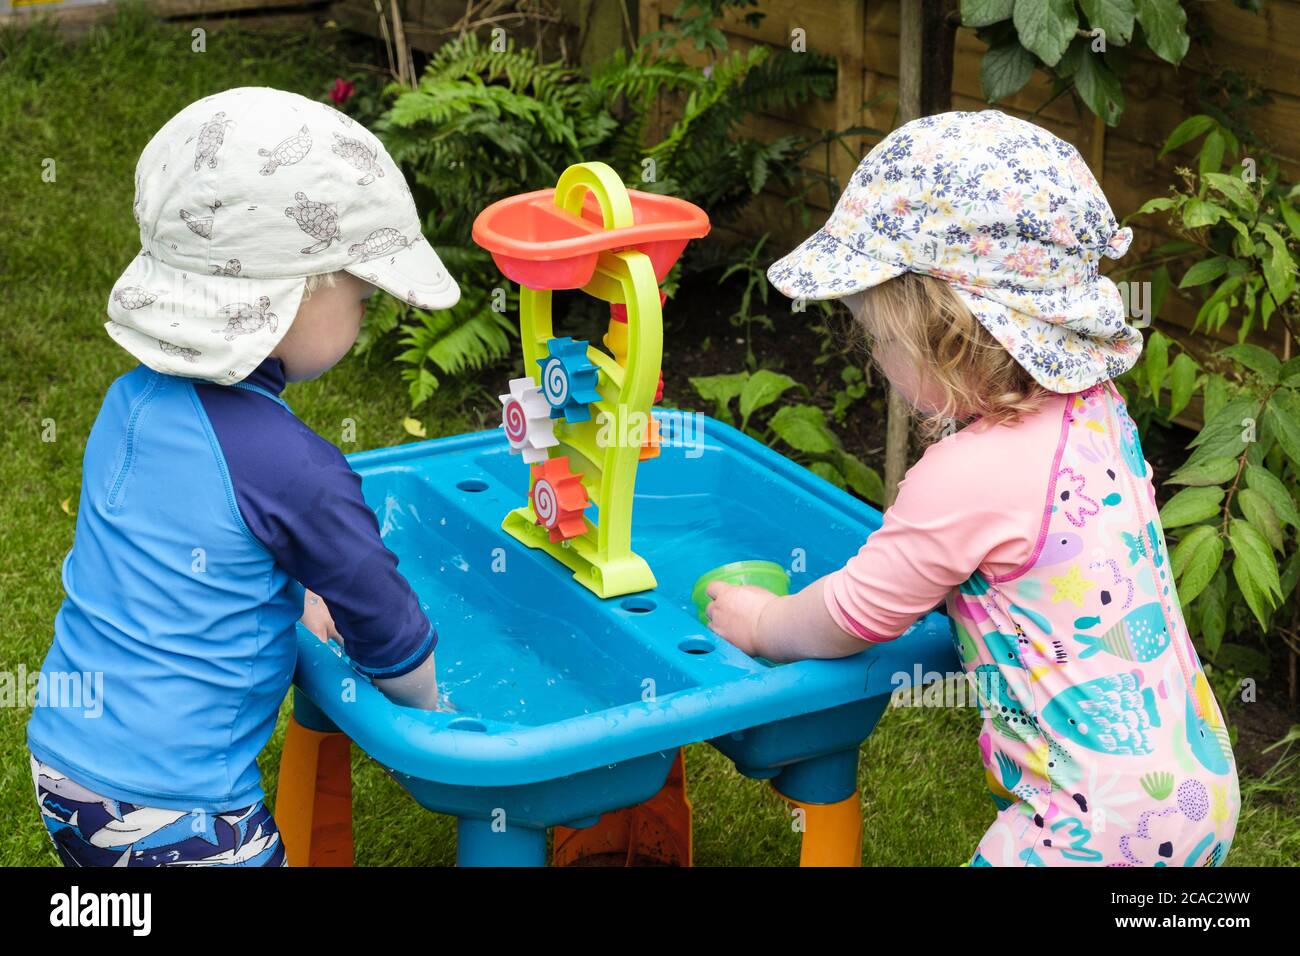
(302, 500)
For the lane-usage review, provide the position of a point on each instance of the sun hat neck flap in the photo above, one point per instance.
(240, 197)
(1005, 212)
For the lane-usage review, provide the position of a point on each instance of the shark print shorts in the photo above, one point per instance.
(90, 830)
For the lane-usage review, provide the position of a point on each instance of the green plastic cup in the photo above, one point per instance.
(764, 574)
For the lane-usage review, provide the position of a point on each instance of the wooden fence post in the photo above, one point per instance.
(927, 34)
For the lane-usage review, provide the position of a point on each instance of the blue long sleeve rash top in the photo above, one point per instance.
(204, 511)
(302, 500)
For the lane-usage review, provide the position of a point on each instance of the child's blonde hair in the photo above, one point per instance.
(322, 280)
(967, 372)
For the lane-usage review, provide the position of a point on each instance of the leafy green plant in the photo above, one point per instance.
(1084, 46)
(1237, 225)
(802, 427)
(1238, 495)
(486, 123)
(1235, 519)
(754, 269)
(696, 22)
(853, 390)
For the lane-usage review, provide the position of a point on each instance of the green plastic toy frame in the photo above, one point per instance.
(601, 558)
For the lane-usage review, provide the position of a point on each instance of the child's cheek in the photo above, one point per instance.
(923, 396)
(900, 373)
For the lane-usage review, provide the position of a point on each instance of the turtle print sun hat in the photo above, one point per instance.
(240, 197)
(1009, 215)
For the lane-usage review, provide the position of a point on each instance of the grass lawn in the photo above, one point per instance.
(63, 243)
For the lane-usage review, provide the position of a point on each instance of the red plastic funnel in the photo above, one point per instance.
(541, 246)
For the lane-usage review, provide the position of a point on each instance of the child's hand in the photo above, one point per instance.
(417, 688)
(734, 612)
(317, 619)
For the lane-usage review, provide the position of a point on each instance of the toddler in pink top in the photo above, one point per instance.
(967, 246)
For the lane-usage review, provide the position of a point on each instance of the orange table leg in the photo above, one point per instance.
(313, 803)
(832, 833)
(654, 833)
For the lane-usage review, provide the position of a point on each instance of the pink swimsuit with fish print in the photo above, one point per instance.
(1102, 741)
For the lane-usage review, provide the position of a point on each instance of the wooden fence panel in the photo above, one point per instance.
(1124, 158)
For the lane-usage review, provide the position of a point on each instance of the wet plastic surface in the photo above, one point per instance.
(581, 701)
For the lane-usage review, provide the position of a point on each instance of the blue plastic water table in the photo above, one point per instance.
(568, 706)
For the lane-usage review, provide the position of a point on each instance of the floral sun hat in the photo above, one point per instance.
(1009, 215)
(240, 197)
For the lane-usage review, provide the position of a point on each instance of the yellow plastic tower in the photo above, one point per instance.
(604, 451)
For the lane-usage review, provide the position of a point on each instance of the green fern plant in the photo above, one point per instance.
(486, 123)
(467, 336)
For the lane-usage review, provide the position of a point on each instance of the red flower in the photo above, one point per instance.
(342, 91)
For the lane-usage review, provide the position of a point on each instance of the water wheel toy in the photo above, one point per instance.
(580, 728)
(580, 415)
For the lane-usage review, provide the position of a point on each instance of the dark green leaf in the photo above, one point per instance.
(1290, 373)
(1211, 157)
(1290, 575)
(981, 13)
(1156, 363)
(1190, 506)
(803, 428)
(1254, 569)
(1243, 660)
(763, 388)
(1114, 17)
(1207, 270)
(1211, 471)
(828, 472)
(1158, 204)
(720, 389)
(1068, 64)
(1248, 543)
(1005, 70)
(1261, 515)
(1265, 440)
(1214, 611)
(1279, 267)
(1290, 216)
(1186, 547)
(1099, 88)
(1165, 24)
(1188, 130)
(1195, 560)
(1199, 212)
(1284, 415)
(1233, 188)
(1182, 382)
(862, 478)
(1046, 27)
(1219, 298)
(1263, 481)
(1227, 433)
(1159, 289)
(1261, 361)
(1215, 396)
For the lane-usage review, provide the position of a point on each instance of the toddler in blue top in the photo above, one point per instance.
(211, 519)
